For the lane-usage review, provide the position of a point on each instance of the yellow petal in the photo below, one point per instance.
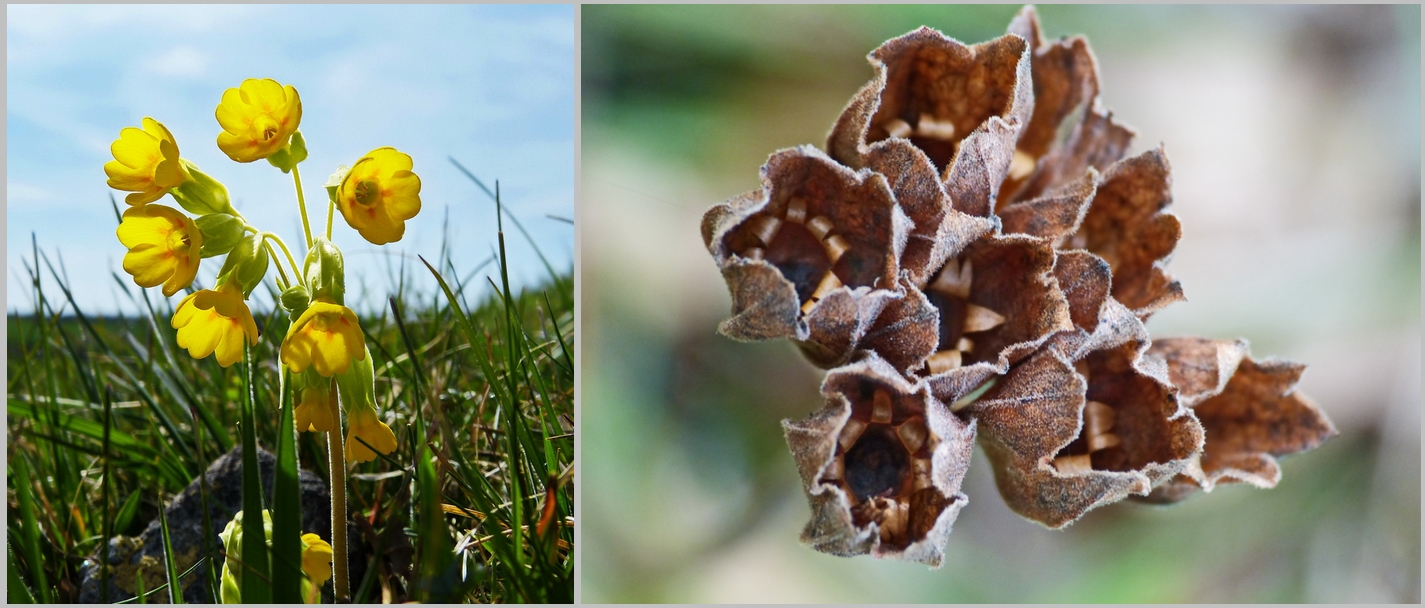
(150, 265)
(233, 116)
(136, 149)
(140, 198)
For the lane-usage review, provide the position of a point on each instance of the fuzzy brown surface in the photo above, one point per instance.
(939, 231)
(1013, 277)
(984, 90)
(1126, 225)
(839, 525)
(1256, 416)
(1055, 215)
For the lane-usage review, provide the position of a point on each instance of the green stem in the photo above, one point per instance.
(336, 466)
(282, 274)
(331, 210)
(296, 270)
(302, 204)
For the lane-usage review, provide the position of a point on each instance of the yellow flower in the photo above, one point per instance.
(326, 337)
(215, 321)
(363, 423)
(145, 163)
(379, 194)
(163, 247)
(314, 412)
(317, 563)
(258, 119)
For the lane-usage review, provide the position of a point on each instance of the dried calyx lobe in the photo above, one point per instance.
(881, 463)
(813, 255)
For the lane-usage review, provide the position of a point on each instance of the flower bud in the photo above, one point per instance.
(246, 263)
(324, 272)
(201, 194)
(232, 545)
(296, 299)
(288, 157)
(221, 232)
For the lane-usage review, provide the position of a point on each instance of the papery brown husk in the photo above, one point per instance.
(1035, 413)
(938, 231)
(766, 304)
(813, 443)
(1251, 411)
(1069, 131)
(983, 89)
(1127, 226)
(1013, 277)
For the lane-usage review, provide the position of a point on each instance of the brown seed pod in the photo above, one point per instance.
(1127, 226)
(1085, 422)
(938, 231)
(813, 255)
(1250, 410)
(963, 106)
(881, 464)
(1070, 131)
(998, 301)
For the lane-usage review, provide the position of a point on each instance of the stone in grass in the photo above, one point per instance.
(142, 555)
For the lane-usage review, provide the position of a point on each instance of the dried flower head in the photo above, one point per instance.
(974, 236)
(1251, 411)
(881, 463)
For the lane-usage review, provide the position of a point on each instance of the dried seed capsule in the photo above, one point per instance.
(889, 500)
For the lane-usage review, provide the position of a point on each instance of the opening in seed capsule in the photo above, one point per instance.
(806, 247)
(949, 293)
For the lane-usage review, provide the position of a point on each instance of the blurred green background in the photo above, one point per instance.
(1294, 134)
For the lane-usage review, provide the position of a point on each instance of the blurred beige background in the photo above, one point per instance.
(1294, 134)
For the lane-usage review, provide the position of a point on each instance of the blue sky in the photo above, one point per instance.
(491, 86)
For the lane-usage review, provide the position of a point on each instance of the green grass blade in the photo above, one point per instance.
(108, 502)
(125, 516)
(499, 210)
(175, 586)
(256, 579)
(435, 545)
(30, 530)
(286, 508)
(18, 592)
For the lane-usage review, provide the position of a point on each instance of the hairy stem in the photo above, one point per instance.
(336, 464)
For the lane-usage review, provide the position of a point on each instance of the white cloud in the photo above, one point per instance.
(16, 192)
(178, 62)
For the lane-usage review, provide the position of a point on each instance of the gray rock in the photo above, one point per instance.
(132, 557)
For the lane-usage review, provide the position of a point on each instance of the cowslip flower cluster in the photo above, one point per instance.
(974, 257)
(326, 365)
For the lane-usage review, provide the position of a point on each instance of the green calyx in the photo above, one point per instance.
(357, 387)
(294, 152)
(221, 232)
(200, 194)
(324, 272)
(246, 263)
(296, 300)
